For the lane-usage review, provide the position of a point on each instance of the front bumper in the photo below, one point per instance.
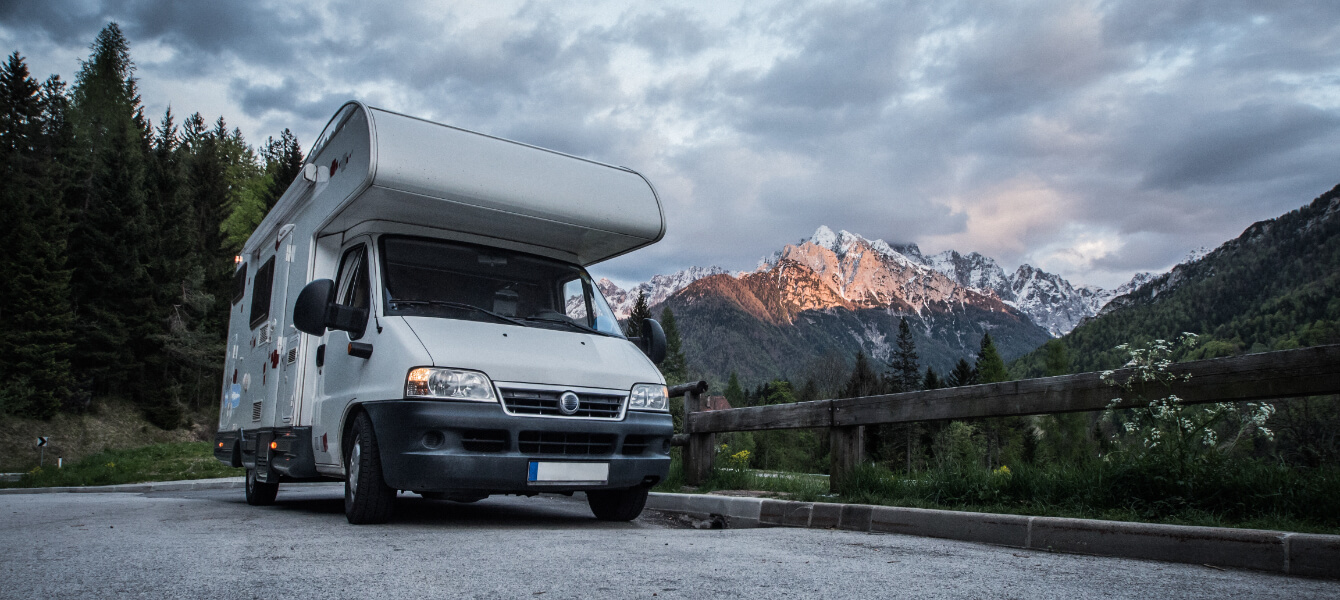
(444, 446)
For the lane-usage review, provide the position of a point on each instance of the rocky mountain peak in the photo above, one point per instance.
(855, 272)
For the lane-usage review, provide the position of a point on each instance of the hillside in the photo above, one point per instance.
(1276, 286)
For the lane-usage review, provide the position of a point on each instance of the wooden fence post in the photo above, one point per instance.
(846, 450)
(700, 452)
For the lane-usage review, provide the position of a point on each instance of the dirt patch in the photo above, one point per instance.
(110, 425)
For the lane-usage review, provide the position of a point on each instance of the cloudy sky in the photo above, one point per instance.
(1091, 139)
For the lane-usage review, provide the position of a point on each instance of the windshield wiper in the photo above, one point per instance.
(461, 306)
(568, 323)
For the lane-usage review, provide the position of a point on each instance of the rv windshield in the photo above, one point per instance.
(455, 280)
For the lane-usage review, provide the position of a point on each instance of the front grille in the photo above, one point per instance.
(545, 403)
(564, 443)
(634, 445)
(484, 440)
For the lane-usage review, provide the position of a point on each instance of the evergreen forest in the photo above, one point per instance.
(121, 240)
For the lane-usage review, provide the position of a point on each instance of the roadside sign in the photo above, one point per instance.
(41, 451)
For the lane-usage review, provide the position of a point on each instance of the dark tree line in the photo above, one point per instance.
(911, 446)
(114, 272)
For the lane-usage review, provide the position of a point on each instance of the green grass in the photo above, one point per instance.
(792, 486)
(159, 462)
(1237, 493)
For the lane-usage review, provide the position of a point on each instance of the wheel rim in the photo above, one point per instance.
(354, 456)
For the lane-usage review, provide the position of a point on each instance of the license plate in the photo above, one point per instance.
(568, 472)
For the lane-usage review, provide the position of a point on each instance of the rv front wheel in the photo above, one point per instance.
(617, 505)
(260, 493)
(367, 499)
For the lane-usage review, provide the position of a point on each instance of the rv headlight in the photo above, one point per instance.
(449, 384)
(648, 396)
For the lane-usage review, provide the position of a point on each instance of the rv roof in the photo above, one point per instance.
(385, 166)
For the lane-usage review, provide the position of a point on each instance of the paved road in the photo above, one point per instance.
(210, 544)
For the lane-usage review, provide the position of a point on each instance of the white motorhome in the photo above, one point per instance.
(415, 314)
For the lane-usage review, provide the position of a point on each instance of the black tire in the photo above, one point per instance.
(617, 505)
(260, 493)
(367, 499)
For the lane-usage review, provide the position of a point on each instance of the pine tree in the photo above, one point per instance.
(633, 328)
(963, 374)
(675, 368)
(734, 393)
(990, 368)
(904, 372)
(931, 381)
(186, 363)
(1003, 435)
(35, 316)
(283, 162)
(1055, 359)
(260, 189)
(114, 298)
(863, 380)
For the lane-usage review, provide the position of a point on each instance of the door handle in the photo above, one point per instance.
(360, 350)
(320, 356)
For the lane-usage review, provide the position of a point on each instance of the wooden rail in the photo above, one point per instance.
(1267, 376)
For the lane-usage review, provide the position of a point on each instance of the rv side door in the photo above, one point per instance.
(341, 374)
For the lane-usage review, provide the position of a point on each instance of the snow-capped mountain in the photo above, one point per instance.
(657, 290)
(857, 272)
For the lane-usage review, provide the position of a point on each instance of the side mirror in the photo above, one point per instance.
(316, 310)
(309, 312)
(652, 341)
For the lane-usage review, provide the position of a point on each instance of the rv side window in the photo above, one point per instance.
(261, 287)
(355, 286)
(240, 284)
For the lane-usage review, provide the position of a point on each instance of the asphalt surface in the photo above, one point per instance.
(210, 544)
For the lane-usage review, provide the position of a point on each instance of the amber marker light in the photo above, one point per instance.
(274, 445)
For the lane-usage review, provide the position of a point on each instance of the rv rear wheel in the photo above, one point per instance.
(260, 493)
(617, 505)
(367, 499)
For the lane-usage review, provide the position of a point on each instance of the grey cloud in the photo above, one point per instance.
(60, 22)
(252, 30)
(1032, 56)
(849, 62)
(1248, 27)
(259, 100)
(666, 35)
(1230, 146)
(873, 117)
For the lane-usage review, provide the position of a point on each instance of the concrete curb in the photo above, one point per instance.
(137, 488)
(1275, 551)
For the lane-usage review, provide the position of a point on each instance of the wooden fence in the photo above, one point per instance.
(1267, 376)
